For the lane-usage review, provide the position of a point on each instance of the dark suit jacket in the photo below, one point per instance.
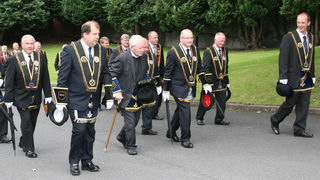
(177, 85)
(289, 63)
(15, 87)
(208, 67)
(70, 76)
(116, 51)
(128, 73)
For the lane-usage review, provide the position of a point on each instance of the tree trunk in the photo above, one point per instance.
(136, 28)
(1, 35)
(316, 24)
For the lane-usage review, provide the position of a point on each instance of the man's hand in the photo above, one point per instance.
(207, 88)
(166, 96)
(118, 97)
(283, 81)
(159, 89)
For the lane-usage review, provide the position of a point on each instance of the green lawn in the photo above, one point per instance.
(253, 75)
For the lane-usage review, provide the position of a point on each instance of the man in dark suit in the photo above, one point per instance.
(121, 48)
(127, 70)
(296, 69)
(215, 67)
(82, 67)
(57, 62)
(182, 65)
(156, 48)
(107, 100)
(27, 76)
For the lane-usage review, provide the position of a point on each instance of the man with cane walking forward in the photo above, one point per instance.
(215, 66)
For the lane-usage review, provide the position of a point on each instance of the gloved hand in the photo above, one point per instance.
(207, 88)
(228, 85)
(118, 97)
(159, 89)
(314, 80)
(47, 100)
(283, 81)
(8, 104)
(1, 82)
(109, 104)
(166, 96)
(60, 106)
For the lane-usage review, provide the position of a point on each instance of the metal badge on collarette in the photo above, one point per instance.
(23, 63)
(191, 78)
(310, 45)
(300, 45)
(220, 76)
(31, 84)
(194, 58)
(92, 82)
(150, 62)
(215, 58)
(184, 59)
(36, 63)
(83, 59)
(96, 59)
(224, 58)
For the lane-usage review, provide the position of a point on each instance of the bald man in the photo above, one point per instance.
(182, 66)
(27, 76)
(127, 70)
(215, 66)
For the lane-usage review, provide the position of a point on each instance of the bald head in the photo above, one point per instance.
(153, 37)
(37, 46)
(219, 39)
(15, 46)
(186, 37)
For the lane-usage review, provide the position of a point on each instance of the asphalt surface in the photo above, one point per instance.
(246, 149)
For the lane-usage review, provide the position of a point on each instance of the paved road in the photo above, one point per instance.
(245, 150)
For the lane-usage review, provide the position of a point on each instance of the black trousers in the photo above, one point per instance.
(28, 125)
(3, 123)
(301, 101)
(147, 118)
(156, 107)
(128, 130)
(220, 98)
(82, 139)
(181, 118)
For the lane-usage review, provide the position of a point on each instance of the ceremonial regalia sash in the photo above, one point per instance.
(90, 74)
(151, 65)
(189, 66)
(30, 75)
(220, 66)
(109, 52)
(159, 54)
(305, 57)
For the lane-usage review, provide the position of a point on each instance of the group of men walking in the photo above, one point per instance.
(136, 79)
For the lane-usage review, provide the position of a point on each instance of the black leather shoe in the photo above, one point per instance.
(275, 127)
(200, 122)
(5, 139)
(31, 154)
(175, 138)
(74, 169)
(90, 167)
(187, 144)
(122, 140)
(132, 151)
(157, 118)
(224, 123)
(303, 134)
(149, 132)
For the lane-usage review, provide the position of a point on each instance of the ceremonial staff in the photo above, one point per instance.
(112, 125)
(12, 126)
(168, 120)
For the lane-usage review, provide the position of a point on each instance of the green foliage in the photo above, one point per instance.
(130, 15)
(293, 7)
(220, 13)
(29, 14)
(177, 15)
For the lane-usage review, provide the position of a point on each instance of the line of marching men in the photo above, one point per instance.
(136, 81)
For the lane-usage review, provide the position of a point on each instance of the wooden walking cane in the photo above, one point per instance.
(111, 127)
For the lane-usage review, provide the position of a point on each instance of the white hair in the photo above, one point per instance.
(135, 39)
(27, 36)
(218, 35)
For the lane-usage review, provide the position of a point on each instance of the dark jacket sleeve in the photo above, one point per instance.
(284, 56)
(168, 70)
(65, 69)
(9, 82)
(46, 78)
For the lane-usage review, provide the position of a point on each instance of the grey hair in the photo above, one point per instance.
(27, 36)
(125, 36)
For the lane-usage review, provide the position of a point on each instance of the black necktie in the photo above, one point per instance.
(305, 44)
(90, 57)
(220, 52)
(188, 54)
(30, 62)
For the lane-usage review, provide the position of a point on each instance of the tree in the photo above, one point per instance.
(28, 14)
(130, 15)
(292, 8)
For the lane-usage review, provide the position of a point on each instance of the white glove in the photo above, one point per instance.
(228, 85)
(60, 106)
(47, 100)
(166, 96)
(8, 104)
(283, 81)
(314, 80)
(159, 89)
(207, 88)
(1, 82)
(109, 104)
(118, 97)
